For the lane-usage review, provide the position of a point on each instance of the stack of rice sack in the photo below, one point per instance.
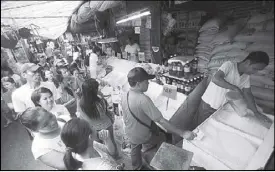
(259, 32)
(207, 33)
(224, 48)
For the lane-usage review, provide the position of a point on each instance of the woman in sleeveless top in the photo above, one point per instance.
(93, 109)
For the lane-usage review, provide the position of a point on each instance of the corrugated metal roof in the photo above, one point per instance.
(51, 16)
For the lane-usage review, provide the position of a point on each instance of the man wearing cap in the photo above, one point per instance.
(136, 103)
(21, 97)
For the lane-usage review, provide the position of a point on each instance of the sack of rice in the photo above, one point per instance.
(265, 103)
(203, 56)
(268, 48)
(229, 46)
(235, 52)
(220, 61)
(209, 32)
(227, 34)
(215, 22)
(204, 46)
(261, 81)
(208, 38)
(260, 17)
(259, 37)
(262, 93)
(263, 26)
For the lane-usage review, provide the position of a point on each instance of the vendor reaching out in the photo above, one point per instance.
(236, 77)
(140, 113)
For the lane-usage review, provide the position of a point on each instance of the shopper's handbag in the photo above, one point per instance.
(153, 128)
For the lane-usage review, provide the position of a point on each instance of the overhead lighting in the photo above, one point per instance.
(134, 17)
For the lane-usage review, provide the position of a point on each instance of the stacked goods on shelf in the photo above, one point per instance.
(207, 32)
(186, 30)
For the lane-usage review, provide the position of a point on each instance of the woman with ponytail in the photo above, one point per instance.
(83, 152)
(94, 109)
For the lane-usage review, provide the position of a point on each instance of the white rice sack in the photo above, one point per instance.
(263, 26)
(259, 37)
(203, 56)
(204, 46)
(207, 39)
(259, 17)
(202, 63)
(265, 103)
(268, 48)
(198, 51)
(229, 46)
(228, 34)
(218, 62)
(235, 52)
(263, 93)
(261, 81)
(215, 22)
(212, 31)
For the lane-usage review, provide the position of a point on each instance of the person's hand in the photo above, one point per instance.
(237, 89)
(104, 135)
(189, 135)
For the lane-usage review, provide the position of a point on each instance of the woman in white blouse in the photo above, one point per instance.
(43, 97)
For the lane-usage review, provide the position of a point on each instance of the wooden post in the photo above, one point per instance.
(156, 31)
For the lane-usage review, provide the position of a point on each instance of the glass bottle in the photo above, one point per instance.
(174, 72)
(178, 86)
(195, 66)
(187, 70)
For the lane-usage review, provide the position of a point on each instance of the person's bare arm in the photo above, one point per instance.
(219, 80)
(172, 129)
(54, 159)
(252, 105)
(250, 100)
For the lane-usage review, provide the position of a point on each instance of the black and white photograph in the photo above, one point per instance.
(137, 85)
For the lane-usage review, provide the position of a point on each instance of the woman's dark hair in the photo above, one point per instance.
(258, 57)
(89, 99)
(36, 95)
(30, 117)
(6, 69)
(7, 79)
(75, 135)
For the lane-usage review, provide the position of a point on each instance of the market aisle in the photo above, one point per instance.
(16, 150)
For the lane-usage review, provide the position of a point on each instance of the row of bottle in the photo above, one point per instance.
(185, 86)
(178, 70)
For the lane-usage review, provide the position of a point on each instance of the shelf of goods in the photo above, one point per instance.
(118, 79)
(232, 142)
(183, 73)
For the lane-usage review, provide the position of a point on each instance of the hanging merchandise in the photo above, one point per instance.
(8, 39)
(24, 32)
(168, 22)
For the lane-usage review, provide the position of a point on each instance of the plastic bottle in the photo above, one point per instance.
(93, 65)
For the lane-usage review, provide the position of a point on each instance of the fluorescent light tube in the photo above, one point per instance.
(134, 17)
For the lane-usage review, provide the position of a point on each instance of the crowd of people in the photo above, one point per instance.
(70, 124)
